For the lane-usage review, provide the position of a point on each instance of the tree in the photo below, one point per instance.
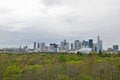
(13, 72)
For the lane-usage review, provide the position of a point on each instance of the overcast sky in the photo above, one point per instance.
(25, 21)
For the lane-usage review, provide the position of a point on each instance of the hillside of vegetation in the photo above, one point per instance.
(44, 66)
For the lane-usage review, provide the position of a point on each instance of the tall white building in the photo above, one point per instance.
(99, 44)
(42, 47)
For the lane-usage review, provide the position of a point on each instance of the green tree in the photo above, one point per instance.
(13, 72)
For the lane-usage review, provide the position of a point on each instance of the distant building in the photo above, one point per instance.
(109, 50)
(42, 47)
(85, 44)
(64, 45)
(25, 48)
(12, 50)
(72, 46)
(91, 43)
(115, 48)
(77, 45)
(84, 50)
(34, 45)
(99, 44)
(95, 47)
(38, 45)
(49, 49)
(54, 47)
(20, 49)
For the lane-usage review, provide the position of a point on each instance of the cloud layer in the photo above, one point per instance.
(24, 21)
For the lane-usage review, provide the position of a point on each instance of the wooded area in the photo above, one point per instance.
(46, 66)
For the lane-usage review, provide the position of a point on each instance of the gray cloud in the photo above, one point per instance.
(4, 11)
(51, 2)
(25, 21)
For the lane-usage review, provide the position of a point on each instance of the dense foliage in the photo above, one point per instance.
(45, 66)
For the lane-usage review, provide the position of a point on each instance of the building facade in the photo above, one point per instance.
(77, 45)
(99, 45)
(34, 46)
(115, 48)
(91, 43)
(64, 45)
(42, 47)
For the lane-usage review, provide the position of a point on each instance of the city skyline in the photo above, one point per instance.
(24, 21)
(72, 45)
(31, 44)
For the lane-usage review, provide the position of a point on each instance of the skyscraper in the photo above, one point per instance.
(38, 45)
(34, 45)
(64, 45)
(72, 46)
(115, 48)
(77, 45)
(54, 47)
(91, 43)
(85, 44)
(42, 47)
(99, 44)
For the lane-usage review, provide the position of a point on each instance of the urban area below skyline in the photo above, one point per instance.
(85, 46)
